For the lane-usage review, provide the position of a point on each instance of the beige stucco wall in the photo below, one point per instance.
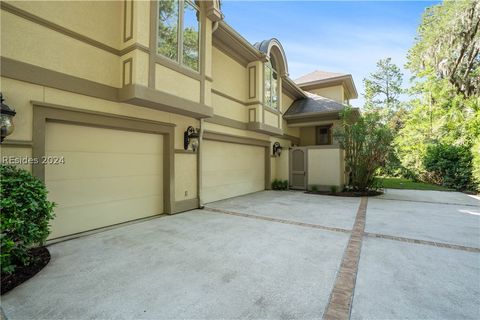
(177, 84)
(271, 118)
(286, 103)
(335, 93)
(185, 176)
(325, 167)
(229, 76)
(228, 108)
(31, 43)
(107, 17)
(307, 136)
(280, 165)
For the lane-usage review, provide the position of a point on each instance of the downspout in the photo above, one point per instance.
(199, 166)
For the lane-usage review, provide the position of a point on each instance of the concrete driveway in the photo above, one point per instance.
(275, 255)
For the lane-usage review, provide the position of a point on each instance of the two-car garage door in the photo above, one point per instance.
(231, 169)
(109, 176)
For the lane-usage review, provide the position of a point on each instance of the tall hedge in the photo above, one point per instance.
(450, 165)
(25, 215)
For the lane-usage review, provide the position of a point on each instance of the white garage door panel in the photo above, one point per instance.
(231, 170)
(109, 176)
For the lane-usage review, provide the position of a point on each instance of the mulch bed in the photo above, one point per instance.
(22, 274)
(347, 193)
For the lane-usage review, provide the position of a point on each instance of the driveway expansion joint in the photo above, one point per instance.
(284, 221)
(424, 242)
(341, 297)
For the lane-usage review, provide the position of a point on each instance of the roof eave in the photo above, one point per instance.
(347, 80)
(225, 35)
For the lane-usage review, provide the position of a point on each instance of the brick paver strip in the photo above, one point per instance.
(433, 202)
(425, 242)
(340, 302)
(301, 224)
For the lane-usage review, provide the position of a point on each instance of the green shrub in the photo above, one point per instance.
(367, 143)
(449, 165)
(280, 184)
(333, 189)
(25, 214)
(314, 188)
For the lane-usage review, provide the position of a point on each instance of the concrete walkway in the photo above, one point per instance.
(272, 255)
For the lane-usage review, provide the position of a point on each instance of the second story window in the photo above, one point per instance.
(324, 135)
(178, 32)
(271, 84)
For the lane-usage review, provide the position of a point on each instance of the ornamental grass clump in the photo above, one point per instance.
(25, 216)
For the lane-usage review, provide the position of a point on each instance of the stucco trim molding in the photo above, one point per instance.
(229, 97)
(133, 94)
(43, 112)
(224, 121)
(222, 137)
(264, 128)
(151, 98)
(17, 143)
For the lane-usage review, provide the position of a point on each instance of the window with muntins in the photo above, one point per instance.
(178, 35)
(271, 84)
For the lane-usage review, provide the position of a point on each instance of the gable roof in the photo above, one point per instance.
(318, 75)
(312, 105)
(322, 79)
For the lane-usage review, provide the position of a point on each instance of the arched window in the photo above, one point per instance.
(271, 84)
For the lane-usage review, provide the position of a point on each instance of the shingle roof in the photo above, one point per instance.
(318, 75)
(313, 104)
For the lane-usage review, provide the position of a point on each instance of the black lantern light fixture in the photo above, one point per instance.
(6, 120)
(190, 137)
(277, 149)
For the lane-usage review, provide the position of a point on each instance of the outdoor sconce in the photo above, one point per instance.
(6, 116)
(277, 149)
(190, 137)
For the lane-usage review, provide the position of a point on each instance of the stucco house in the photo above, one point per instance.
(106, 91)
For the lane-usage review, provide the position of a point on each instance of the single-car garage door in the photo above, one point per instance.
(230, 170)
(109, 176)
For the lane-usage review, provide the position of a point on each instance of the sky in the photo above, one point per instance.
(337, 36)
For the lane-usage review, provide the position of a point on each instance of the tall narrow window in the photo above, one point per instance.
(191, 26)
(271, 84)
(168, 28)
(178, 32)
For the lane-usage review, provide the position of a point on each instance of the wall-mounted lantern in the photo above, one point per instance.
(277, 149)
(7, 114)
(190, 137)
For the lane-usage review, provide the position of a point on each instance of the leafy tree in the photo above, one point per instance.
(448, 45)
(383, 88)
(366, 141)
(445, 64)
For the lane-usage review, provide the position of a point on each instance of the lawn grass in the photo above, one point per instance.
(400, 183)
